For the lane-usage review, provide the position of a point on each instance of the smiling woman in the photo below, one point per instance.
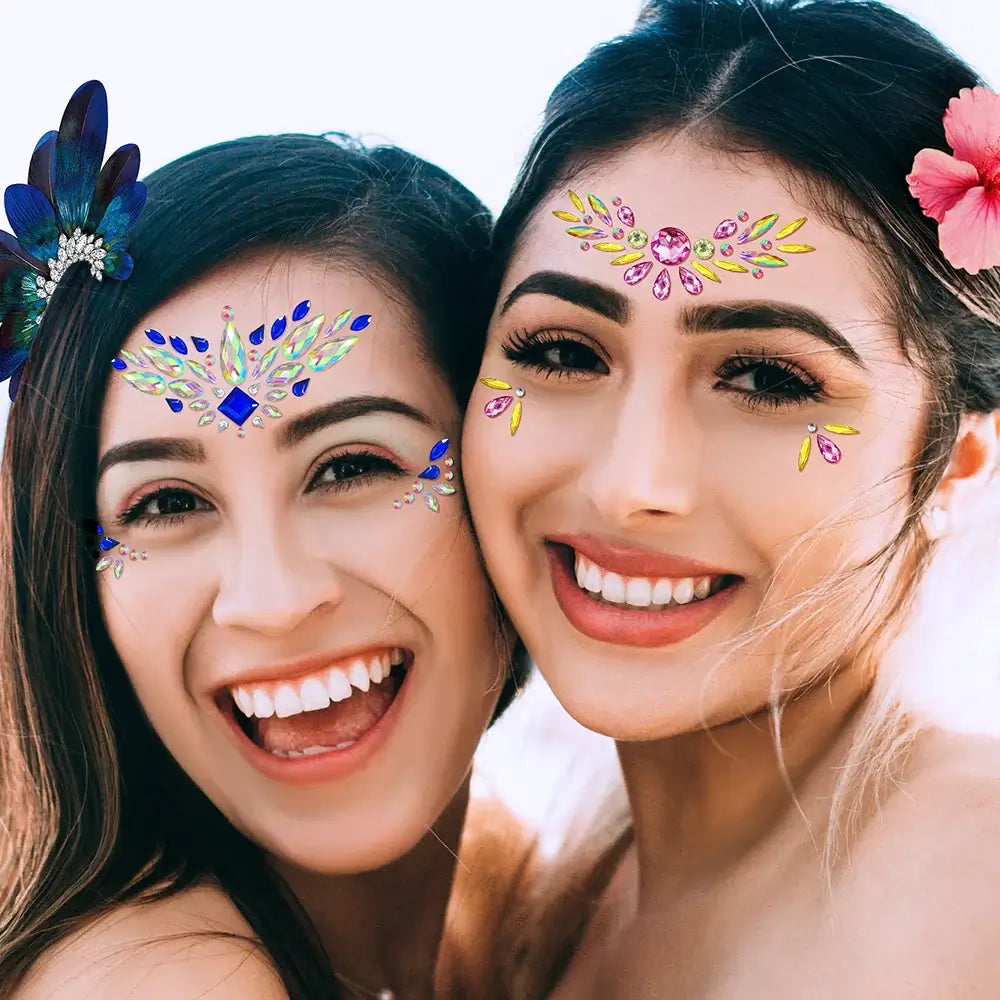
(241, 710)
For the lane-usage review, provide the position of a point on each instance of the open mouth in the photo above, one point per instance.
(326, 711)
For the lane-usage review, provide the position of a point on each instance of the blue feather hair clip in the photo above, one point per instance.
(70, 211)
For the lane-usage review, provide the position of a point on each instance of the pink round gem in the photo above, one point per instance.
(671, 246)
(725, 229)
(496, 406)
(693, 285)
(626, 215)
(637, 272)
(661, 287)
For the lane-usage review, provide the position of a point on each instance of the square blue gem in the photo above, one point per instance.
(238, 406)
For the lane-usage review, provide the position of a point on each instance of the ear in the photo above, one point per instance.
(974, 460)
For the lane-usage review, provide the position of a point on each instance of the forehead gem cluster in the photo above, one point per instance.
(300, 351)
(695, 259)
(433, 475)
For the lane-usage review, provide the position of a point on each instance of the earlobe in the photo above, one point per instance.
(974, 462)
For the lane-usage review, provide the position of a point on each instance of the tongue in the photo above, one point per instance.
(343, 722)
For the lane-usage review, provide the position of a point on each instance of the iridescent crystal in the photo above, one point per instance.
(449, 462)
(119, 568)
(200, 371)
(233, 356)
(828, 449)
(257, 420)
(704, 249)
(339, 322)
(671, 246)
(600, 208)
(266, 361)
(726, 249)
(445, 489)
(692, 284)
(758, 229)
(133, 359)
(154, 385)
(329, 353)
(164, 361)
(301, 338)
(219, 391)
(432, 502)
(276, 395)
(206, 418)
(284, 373)
(449, 475)
(185, 388)
(408, 497)
(725, 229)
(272, 411)
(661, 287)
(497, 406)
(626, 215)
(222, 425)
(198, 405)
(762, 259)
(637, 272)
(103, 563)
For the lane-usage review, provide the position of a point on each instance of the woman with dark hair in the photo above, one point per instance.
(738, 391)
(249, 648)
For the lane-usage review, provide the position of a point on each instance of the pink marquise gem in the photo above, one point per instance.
(496, 406)
(828, 449)
(725, 229)
(661, 287)
(634, 274)
(693, 285)
(671, 246)
(626, 216)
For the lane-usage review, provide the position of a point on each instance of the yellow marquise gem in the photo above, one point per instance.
(629, 258)
(792, 227)
(495, 383)
(704, 271)
(609, 247)
(840, 429)
(729, 265)
(577, 203)
(795, 248)
(804, 452)
(567, 216)
(515, 418)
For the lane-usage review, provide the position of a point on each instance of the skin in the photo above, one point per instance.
(278, 563)
(649, 441)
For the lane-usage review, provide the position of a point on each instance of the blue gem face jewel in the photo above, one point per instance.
(178, 345)
(106, 543)
(438, 450)
(257, 337)
(175, 404)
(156, 337)
(431, 472)
(200, 344)
(278, 328)
(119, 364)
(361, 322)
(300, 310)
(299, 389)
(238, 406)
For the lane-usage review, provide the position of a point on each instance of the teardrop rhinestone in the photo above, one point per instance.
(438, 450)
(302, 309)
(178, 345)
(329, 353)
(164, 361)
(206, 418)
(340, 322)
(118, 364)
(432, 502)
(257, 336)
(284, 373)
(119, 568)
(828, 449)
(725, 229)
(134, 359)
(278, 328)
(497, 406)
(361, 323)
(222, 425)
(661, 287)
(301, 338)
(271, 411)
(185, 388)
(153, 385)
(431, 472)
(626, 216)
(233, 357)
(198, 405)
(156, 337)
(691, 283)
(175, 404)
(103, 563)
(637, 272)
(257, 420)
(219, 391)
(200, 344)
(299, 389)
(671, 246)
(276, 395)
(266, 361)
(200, 371)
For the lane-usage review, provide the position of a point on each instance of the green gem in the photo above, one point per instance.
(704, 249)
(637, 239)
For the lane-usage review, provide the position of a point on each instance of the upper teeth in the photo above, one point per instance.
(316, 691)
(640, 591)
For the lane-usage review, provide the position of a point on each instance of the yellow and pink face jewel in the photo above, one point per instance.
(761, 246)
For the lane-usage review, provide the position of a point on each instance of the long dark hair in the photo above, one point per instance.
(845, 92)
(95, 811)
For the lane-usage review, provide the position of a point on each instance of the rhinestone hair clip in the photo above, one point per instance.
(71, 211)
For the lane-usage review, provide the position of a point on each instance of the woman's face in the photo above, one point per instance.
(320, 660)
(640, 511)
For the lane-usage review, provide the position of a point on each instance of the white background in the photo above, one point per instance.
(461, 82)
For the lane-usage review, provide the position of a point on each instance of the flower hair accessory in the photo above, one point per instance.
(70, 211)
(961, 191)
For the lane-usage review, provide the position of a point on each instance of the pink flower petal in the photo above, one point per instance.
(972, 126)
(939, 181)
(970, 233)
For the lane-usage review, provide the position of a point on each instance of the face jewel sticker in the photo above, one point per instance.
(755, 250)
(500, 404)
(225, 395)
(830, 452)
(109, 552)
(432, 480)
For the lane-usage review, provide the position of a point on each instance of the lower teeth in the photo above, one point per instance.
(310, 751)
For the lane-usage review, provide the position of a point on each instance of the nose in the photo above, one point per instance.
(648, 463)
(273, 581)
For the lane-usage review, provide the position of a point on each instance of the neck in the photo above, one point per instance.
(703, 800)
(383, 928)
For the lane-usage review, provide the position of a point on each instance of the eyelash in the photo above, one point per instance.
(379, 465)
(797, 386)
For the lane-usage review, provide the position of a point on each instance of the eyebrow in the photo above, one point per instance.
(590, 295)
(293, 431)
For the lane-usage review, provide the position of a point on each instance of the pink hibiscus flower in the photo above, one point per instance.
(962, 192)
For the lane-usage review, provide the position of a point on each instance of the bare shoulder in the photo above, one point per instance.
(193, 944)
(922, 891)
